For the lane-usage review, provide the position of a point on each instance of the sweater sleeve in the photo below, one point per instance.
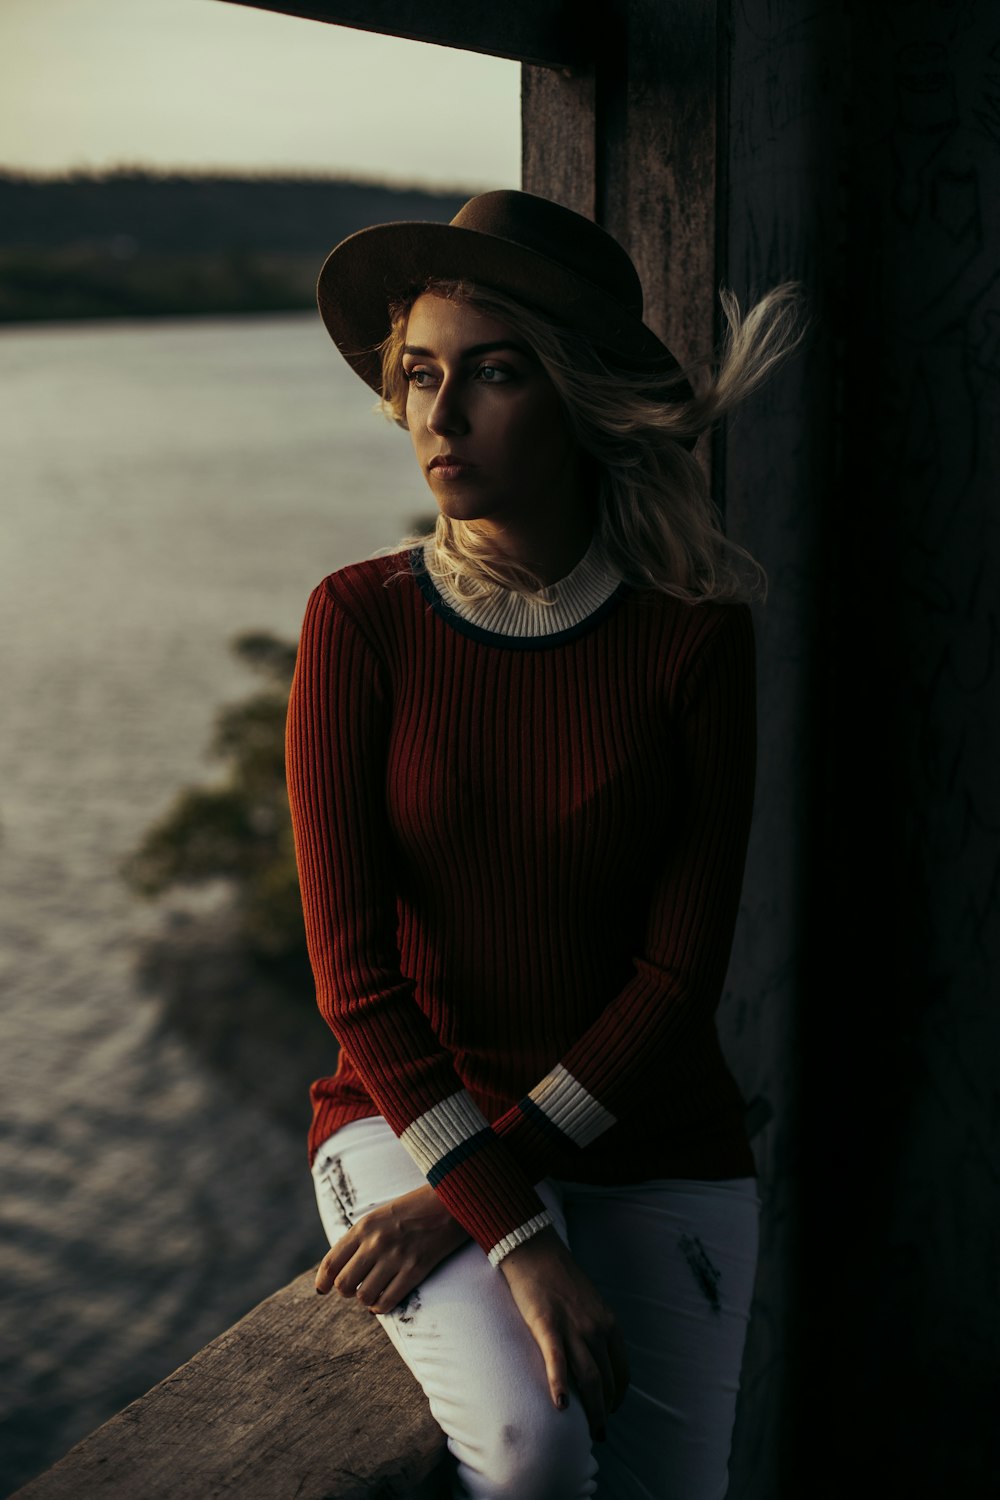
(336, 744)
(680, 969)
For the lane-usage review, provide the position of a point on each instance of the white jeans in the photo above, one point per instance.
(674, 1258)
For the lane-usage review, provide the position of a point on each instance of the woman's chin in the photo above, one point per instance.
(464, 508)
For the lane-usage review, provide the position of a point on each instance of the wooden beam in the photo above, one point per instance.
(549, 33)
(558, 137)
(304, 1399)
(631, 143)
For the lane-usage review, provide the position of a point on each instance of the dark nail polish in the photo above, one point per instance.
(562, 1400)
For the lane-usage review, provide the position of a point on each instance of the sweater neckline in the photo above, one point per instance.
(580, 601)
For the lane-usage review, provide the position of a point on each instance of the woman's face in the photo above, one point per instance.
(487, 425)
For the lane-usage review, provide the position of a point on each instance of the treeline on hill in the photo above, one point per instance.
(136, 244)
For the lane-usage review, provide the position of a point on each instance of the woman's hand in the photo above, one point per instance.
(572, 1325)
(390, 1251)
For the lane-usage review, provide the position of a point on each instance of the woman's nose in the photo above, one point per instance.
(447, 413)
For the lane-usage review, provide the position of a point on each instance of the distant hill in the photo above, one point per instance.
(185, 213)
(131, 243)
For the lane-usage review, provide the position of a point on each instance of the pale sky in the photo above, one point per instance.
(204, 84)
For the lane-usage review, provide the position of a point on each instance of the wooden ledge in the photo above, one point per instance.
(304, 1399)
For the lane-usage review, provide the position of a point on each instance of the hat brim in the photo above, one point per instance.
(379, 265)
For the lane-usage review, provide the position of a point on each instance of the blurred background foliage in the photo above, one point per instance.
(239, 830)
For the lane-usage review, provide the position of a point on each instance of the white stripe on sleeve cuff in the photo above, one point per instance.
(519, 1236)
(567, 1104)
(442, 1129)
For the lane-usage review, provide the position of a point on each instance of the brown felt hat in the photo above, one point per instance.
(532, 249)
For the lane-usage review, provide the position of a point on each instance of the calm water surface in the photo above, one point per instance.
(165, 486)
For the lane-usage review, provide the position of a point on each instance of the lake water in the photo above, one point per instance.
(165, 486)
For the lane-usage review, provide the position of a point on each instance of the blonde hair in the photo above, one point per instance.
(656, 519)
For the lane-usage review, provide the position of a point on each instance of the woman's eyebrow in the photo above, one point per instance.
(473, 349)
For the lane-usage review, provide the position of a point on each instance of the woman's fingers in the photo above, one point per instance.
(350, 1280)
(334, 1261)
(555, 1365)
(589, 1383)
(394, 1291)
(413, 1231)
(354, 1270)
(573, 1326)
(351, 1261)
(566, 1354)
(375, 1278)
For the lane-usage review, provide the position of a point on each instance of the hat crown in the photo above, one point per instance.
(561, 235)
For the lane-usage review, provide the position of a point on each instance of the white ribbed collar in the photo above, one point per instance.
(579, 594)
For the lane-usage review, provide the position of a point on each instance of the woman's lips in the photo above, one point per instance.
(450, 468)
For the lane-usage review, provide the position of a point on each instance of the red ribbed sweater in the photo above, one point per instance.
(520, 861)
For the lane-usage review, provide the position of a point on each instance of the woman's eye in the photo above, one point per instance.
(488, 374)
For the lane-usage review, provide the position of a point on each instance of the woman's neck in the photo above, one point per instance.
(550, 545)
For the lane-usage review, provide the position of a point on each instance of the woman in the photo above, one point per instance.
(520, 763)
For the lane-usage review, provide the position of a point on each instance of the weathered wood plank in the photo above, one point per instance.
(303, 1399)
(552, 33)
(657, 128)
(558, 137)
